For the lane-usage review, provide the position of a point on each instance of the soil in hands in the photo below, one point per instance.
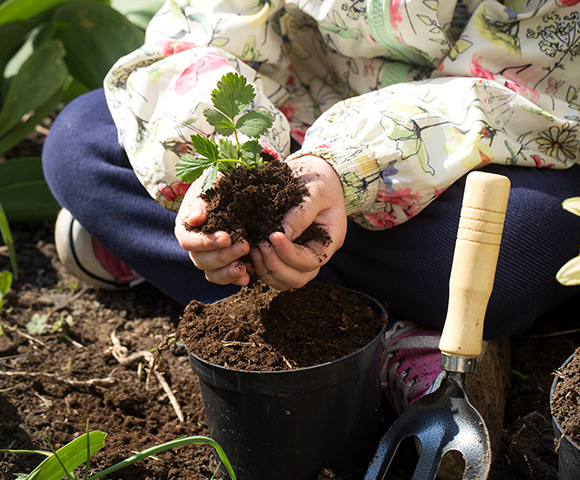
(566, 398)
(251, 203)
(263, 329)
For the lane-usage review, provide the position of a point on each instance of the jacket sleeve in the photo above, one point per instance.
(507, 95)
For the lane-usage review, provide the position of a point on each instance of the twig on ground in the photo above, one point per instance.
(169, 392)
(120, 353)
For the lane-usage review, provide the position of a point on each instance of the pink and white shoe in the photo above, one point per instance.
(410, 365)
(87, 259)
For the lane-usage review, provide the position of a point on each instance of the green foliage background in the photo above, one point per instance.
(52, 51)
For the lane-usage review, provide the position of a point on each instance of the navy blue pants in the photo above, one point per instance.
(406, 267)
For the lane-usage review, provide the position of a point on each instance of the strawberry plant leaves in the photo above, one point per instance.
(205, 147)
(254, 123)
(222, 124)
(250, 152)
(211, 177)
(190, 168)
(233, 95)
(227, 149)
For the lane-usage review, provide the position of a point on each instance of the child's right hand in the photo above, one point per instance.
(213, 253)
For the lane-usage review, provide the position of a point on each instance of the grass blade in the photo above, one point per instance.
(8, 241)
(194, 440)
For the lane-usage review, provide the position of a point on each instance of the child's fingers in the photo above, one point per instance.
(303, 258)
(235, 273)
(275, 272)
(209, 260)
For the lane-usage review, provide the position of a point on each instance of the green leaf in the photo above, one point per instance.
(95, 37)
(39, 79)
(191, 167)
(193, 440)
(572, 205)
(255, 123)
(22, 129)
(569, 273)
(227, 149)
(211, 177)
(12, 36)
(72, 455)
(18, 10)
(29, 202)
(21, 169)
(222, 124)
(5, 284)
(233, 95)
(8, 241)
(250, 152)
(37, 324)
(138, 12)
(205, 146)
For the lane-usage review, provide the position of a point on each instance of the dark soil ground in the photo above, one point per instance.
(94, 367)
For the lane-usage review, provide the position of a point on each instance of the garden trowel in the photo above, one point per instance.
(444, 420)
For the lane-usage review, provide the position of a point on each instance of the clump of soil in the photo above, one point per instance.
(566, 398)
(251, 203)
(263, 329)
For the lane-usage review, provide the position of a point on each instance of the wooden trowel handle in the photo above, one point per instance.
(474, 263)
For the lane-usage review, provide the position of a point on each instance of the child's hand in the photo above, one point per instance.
(213, 253)
(283, 264)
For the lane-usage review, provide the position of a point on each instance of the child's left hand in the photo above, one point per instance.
(284, 264)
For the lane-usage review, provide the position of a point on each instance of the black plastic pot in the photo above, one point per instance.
(289, 425)
(568, 451)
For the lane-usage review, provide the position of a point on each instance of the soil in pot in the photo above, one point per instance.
(263, 329)
(566, 398)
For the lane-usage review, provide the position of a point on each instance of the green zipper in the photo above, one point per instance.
(379, 18)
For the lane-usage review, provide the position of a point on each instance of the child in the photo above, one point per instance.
(388, 105)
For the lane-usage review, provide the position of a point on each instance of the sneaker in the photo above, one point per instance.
(87, 259)
(411, 364)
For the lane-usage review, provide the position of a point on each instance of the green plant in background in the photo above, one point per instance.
(569, 274)
(39, 324)
(232, 96)
(51, 51)
(64, 461)
(5, 284)
(7, 238)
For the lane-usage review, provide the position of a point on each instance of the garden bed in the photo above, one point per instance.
(91, 370)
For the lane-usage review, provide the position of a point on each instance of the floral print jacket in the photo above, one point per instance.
(402, 97)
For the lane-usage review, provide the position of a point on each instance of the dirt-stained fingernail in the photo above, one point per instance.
(275, 239)
(265, 246)
(222, 239)
(238, 269)
(288, 231)
(241, 248)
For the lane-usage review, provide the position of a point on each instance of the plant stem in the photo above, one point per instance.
(234, 160)
(194, 440)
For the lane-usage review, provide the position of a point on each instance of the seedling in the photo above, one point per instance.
(7, 238)
(5, 284)
(68, 458)
(39, 325)
(232, 99)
